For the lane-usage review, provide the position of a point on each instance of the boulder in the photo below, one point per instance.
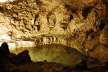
(4, 49)
(22, 58)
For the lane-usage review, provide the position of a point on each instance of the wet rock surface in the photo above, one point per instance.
(78, 24)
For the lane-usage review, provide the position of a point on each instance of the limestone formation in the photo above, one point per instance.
(80, 24)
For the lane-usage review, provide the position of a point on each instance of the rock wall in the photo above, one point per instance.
(81, 24)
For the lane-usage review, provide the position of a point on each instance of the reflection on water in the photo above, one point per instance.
(55, 53)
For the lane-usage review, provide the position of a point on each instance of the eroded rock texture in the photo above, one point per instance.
(80, 24)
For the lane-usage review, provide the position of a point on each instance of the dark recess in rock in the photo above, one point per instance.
(64, 25)
(86, 11)
(71, 17)
(102, 25)
(38, 27)
(71, 9)
(89, 32)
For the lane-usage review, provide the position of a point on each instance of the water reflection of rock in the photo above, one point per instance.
(56, 53)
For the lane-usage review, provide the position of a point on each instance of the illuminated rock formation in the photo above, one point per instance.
(79, 24)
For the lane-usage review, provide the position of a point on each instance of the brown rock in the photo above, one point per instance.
(100, 53)
(104, 36)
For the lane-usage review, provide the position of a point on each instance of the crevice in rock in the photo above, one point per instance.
(38, 27)
(86, 11)
(102, 25)
(64, 25)
(36, 17)
(89, 32)
(71, 17)
(71, 9)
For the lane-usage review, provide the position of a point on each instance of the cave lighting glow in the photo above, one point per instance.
(2, 1)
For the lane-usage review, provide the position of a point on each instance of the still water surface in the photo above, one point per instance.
(55, 53)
